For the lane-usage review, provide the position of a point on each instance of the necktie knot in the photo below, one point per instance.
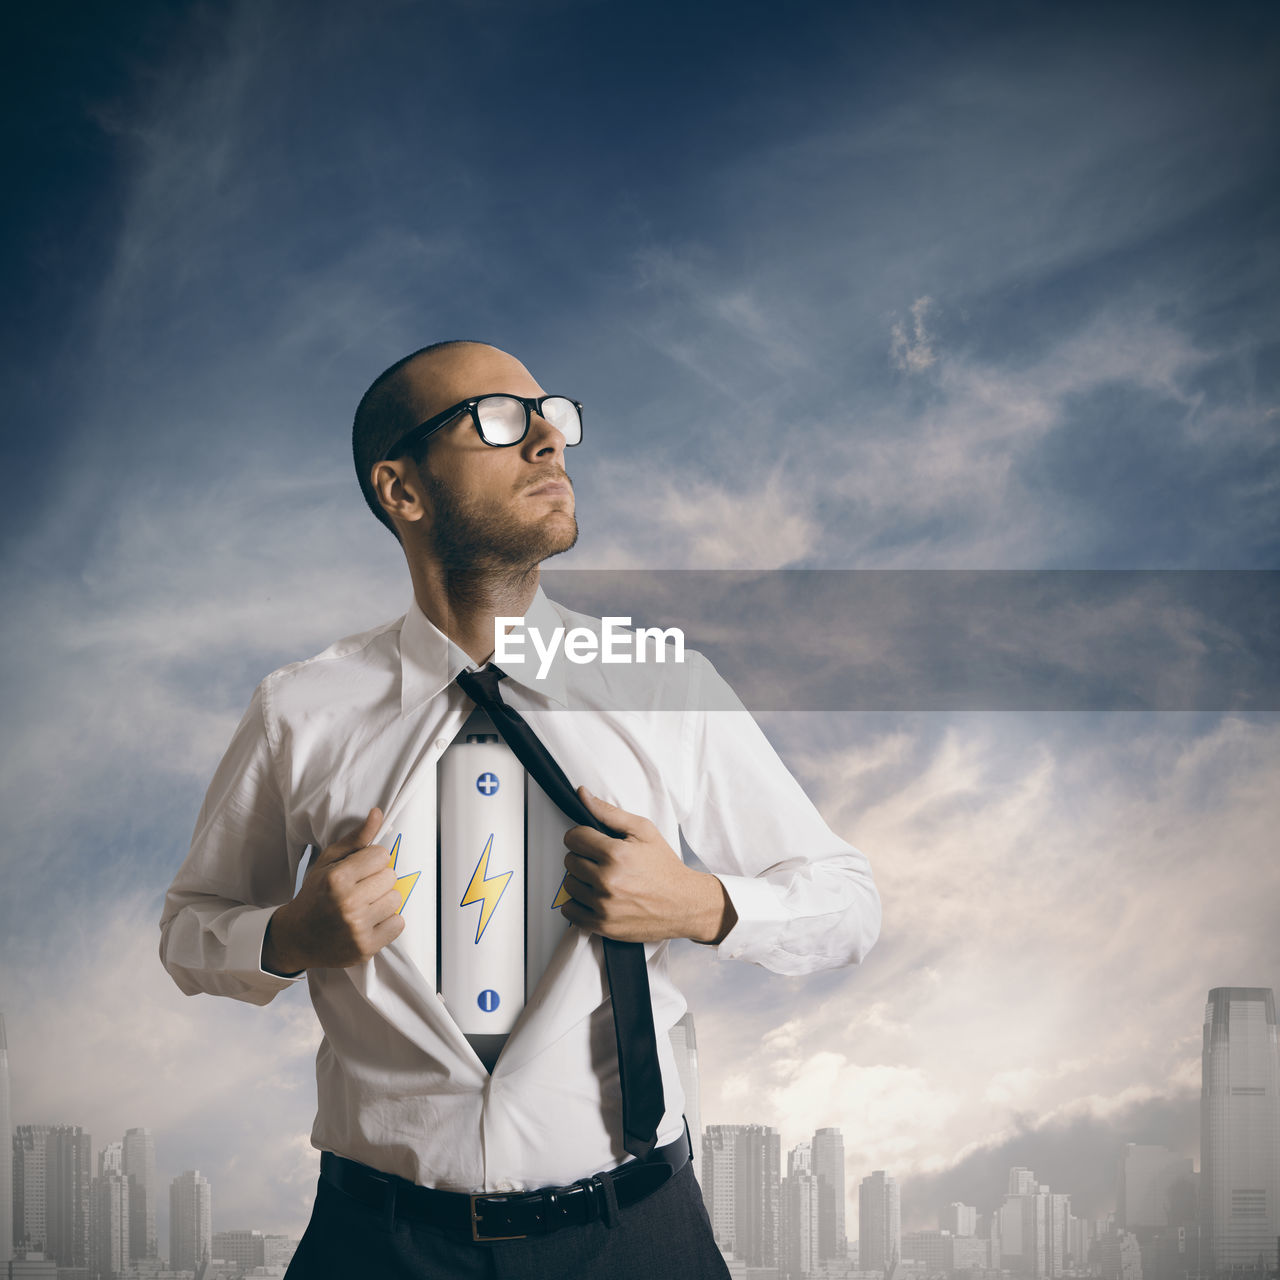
(482, 686)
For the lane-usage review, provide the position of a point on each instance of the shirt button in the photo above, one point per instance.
(441, 743)
(505, 1184)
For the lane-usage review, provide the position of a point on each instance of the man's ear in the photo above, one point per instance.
(400, 490)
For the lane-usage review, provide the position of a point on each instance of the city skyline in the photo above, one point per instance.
(1062, 1242)
(1142, 1169)
(1090, 1177)
(222, 1224)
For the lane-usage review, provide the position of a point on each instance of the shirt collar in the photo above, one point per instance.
(430, 661)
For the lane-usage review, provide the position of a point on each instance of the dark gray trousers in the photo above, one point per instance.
(666, 1235)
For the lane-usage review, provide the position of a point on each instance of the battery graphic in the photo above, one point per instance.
(482, 884)
(501, 846)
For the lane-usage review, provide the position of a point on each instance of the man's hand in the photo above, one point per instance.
(637, 889)
(346, 911)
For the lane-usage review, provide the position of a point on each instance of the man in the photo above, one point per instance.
(448, 1152)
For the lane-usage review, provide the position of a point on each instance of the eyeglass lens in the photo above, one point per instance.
(502, 418)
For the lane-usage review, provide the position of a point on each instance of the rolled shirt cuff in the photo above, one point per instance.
(244, 951)
(759, 915)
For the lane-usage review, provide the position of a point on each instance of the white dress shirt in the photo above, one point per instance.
(363, 724)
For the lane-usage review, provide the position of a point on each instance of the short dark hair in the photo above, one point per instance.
(381, 418)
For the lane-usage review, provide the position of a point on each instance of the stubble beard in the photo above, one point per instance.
(480, 549)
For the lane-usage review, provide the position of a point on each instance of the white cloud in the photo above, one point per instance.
(118, 666)
(951, 467)
(656, 522)
(889, 482)
(724, 331)
(187, 149)
(762, 527)
(1059, 895)
(912, 350)
(99, 1036)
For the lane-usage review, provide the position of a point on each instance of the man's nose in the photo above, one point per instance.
(544, 442)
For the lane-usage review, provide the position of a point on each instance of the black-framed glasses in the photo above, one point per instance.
(500, 420)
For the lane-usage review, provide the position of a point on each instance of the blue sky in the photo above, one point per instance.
(841, 286)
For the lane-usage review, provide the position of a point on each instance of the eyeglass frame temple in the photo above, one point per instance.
(424, 430)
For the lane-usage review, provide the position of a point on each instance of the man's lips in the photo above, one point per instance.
(552, 487)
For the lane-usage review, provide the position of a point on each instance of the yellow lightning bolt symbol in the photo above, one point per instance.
(485, 889)
(404, 884)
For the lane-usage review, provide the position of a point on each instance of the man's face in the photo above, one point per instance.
(489, 507)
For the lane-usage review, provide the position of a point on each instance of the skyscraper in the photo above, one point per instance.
(140, 1169)
(1240, 1128)
(1057, 1224)
(960, 1219)
(67, 1175)
(190, 1221)
(1147, 1186)
(800, 1214)
(828, 1165)
(684, 1041)
(1034, 1227)
(1022, 1227)
(741, 1167)
(6, 1161)
(29, 1202)
(719, 1158)
(110, 1217)
(879, 1222)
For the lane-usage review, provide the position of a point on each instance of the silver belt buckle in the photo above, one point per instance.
(475, 1223)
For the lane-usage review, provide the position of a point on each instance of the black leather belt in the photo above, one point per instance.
(513, 1216)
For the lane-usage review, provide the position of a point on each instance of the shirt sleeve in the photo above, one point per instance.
(240, 868)
(805, 899)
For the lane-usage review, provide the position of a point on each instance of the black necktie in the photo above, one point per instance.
(641, 1077)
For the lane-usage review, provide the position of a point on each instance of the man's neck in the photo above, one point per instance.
(464, 606)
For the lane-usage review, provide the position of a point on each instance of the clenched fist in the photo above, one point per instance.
(636, 889)
(346, 911)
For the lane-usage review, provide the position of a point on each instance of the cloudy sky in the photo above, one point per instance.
(843, 287)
